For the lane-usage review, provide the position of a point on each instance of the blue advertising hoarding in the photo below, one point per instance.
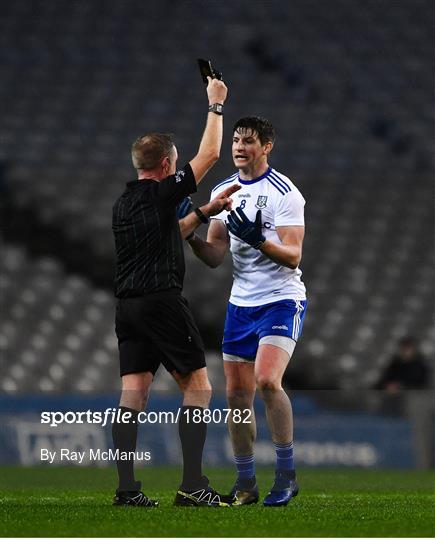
(322, 438)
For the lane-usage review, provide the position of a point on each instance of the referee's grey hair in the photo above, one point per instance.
(148, 150)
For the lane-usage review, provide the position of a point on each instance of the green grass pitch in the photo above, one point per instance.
(66, 501)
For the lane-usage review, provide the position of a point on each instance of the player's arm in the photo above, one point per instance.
(211, 251)
(289, 252)
(192, 221)
(210, 146)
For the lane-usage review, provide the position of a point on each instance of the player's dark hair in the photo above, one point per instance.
(261, 126)
(149, 150)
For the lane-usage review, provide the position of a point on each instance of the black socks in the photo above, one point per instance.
(124, 439)
(192, 437)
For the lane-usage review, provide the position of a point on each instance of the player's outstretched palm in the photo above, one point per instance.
(246, 230)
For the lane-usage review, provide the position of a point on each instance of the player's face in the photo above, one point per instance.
(248, 152)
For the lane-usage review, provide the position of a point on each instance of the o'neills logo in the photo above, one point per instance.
(282, 327)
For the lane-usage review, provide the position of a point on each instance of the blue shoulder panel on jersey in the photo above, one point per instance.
(276, 185)
(226, 181)
(280, 181)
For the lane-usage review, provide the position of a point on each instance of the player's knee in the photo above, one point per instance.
(238, 399)
(266, 384)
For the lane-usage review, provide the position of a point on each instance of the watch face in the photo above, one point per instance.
(216, 107)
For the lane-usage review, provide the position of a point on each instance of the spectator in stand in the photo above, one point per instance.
(406, 370)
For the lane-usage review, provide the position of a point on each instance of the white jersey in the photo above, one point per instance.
(257, 279)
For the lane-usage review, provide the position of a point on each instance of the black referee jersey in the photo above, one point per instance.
(149, 247)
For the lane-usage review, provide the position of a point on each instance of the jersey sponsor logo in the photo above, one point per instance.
(179, 176)
(280, 327)
(261, 201)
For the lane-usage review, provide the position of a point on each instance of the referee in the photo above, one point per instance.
(153, 322)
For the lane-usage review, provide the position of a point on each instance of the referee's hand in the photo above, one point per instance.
(222, 202)
(216, 91)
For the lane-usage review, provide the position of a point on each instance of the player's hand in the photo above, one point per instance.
(222, 202)
(216, 91)
(184, 207)
(248, 231)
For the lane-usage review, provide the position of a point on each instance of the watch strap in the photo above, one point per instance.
(216, 108)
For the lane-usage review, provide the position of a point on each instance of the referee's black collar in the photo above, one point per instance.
(137, 183)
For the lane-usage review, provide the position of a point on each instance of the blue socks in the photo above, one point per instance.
(284, 462)
(245, 466)
(284, 456)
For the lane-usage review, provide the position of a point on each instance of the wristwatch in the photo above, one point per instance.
(216, 108)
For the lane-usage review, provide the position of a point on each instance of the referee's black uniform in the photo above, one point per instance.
(153, 321)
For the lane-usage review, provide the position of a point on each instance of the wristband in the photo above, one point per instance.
(216, 108)
(201, 216)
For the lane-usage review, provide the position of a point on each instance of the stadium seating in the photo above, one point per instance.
(349, 90)
(59, 332)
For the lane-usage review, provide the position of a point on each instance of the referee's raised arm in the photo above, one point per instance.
(211, 141)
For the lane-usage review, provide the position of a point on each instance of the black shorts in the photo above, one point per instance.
(157, 329)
